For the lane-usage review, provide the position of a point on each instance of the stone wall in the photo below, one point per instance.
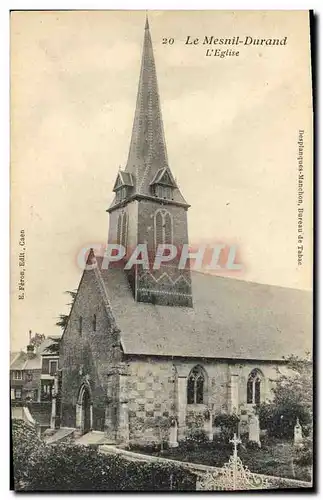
(151, 395)
(157, 387)
(88, 353)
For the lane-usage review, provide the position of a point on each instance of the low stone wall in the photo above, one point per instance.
(200, 470)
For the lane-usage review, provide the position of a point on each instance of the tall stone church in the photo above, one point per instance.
(142, 345)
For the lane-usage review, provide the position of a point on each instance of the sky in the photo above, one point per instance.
(231, 127)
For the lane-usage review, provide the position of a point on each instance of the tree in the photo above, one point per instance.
(37, 339)
(293, 398)
(63, 318)
(54, 347)
(162, 424)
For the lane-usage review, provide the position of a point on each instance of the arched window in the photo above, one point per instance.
(94, 322)
(80, 324)
(168, 228)
(254, 387)
(124, 230)
(196, 386)
(163, 227)
(119, 229)
(158, 229)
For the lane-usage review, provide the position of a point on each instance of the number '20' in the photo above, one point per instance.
(168, 41)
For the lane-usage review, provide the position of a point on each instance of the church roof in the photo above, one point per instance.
(148, 152)
(230, 319)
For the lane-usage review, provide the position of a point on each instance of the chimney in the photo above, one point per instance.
(30, 350)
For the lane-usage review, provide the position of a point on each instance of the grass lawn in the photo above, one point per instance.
(273, 459)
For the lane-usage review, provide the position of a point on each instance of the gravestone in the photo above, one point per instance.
(298, 435)
(173, 443)
(208, 425)
(254, 430)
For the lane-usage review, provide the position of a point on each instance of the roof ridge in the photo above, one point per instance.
(235, 279)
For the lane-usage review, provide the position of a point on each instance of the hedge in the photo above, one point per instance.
(68, 467)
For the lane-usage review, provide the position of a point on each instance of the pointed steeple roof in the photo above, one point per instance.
(148, 152)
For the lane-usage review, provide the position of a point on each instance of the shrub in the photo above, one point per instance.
(195, 420)
(304, 455)
(228, 425)
(292, 399)
(194, 439)
(252, 445)
(25, 447)
(68, 467)
(280, 419)
(72, 468)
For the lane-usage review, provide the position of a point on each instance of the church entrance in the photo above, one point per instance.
(86, 411)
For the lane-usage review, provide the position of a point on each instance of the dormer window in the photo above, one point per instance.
(163, 192)
(123, 186)
(163, 184)
(121, 194)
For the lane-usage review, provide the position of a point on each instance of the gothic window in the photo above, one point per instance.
(124, 230)
(163, 228)
(196, 386)
(94, 322)
(119, 229)
(254, 387)
(159, 228)
(168, 228)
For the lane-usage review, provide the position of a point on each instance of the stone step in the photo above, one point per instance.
(59, 435)
(93, 438)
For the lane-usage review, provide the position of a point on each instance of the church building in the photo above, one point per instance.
(146, 344)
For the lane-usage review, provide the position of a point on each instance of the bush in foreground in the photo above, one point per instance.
(68, 467)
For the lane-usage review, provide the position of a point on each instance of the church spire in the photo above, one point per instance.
(148, 152)
(148, 207)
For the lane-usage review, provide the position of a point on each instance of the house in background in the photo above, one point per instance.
(32, 372)
(49, 366)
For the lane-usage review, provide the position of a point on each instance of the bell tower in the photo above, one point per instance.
(148, 207)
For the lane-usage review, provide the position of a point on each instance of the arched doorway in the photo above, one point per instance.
(84, 410)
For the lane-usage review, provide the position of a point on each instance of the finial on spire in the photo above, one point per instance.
(147, 23)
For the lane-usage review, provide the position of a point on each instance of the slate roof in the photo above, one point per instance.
(147, 151)
(160, 174)
(25, 363)
(13, 356)
(230, 319)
